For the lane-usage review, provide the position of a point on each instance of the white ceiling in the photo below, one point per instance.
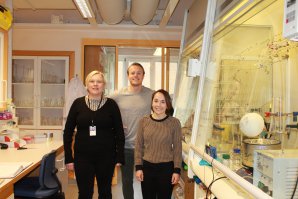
(42, 11)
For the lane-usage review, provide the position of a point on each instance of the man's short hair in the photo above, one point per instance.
(136, 64)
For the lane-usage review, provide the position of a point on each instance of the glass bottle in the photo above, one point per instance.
(236, 159)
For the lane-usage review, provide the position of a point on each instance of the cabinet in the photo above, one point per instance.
(38, 85)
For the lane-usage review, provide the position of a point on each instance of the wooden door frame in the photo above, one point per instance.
(129, 43)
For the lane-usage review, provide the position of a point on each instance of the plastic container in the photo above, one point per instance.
(29, 139)
(226, 160)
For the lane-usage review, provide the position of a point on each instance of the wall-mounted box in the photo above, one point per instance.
(194, 68)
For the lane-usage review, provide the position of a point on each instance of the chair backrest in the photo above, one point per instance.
(47, 173)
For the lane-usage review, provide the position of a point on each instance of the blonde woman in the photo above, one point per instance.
(99, 141)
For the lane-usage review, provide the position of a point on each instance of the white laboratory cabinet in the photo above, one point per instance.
(38, 86)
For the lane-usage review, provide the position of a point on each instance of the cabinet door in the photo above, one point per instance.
(38, 90)
(23, 89)
(53, 78)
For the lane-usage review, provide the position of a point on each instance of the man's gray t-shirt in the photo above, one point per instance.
(133, 107)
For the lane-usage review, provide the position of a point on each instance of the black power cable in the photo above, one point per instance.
(209, 187)
(213, 180)
(295, 189)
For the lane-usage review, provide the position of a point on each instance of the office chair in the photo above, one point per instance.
(46, 185)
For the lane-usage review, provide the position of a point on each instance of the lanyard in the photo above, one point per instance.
(94, 112)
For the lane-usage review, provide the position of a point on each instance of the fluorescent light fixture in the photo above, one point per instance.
(236, 9)
(157, 52)
(85, 8)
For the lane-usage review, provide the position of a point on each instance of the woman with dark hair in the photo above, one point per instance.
(158, 149)
(169, 108)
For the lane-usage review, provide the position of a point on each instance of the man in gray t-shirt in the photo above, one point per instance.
(134, 102)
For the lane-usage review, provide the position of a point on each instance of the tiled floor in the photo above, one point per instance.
(72, 190)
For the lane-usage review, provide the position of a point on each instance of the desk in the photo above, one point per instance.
(33, 154)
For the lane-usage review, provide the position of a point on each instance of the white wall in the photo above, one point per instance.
(67, 37)
(1, 56)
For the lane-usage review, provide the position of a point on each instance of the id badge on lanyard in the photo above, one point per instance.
(92, 130)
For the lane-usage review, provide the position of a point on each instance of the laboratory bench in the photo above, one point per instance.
(33, 153)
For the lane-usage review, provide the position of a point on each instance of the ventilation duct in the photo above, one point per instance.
(143, 11)
(111, 11)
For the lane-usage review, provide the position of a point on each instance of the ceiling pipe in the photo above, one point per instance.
(143, 11)
(111, 11)
(94, 7)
